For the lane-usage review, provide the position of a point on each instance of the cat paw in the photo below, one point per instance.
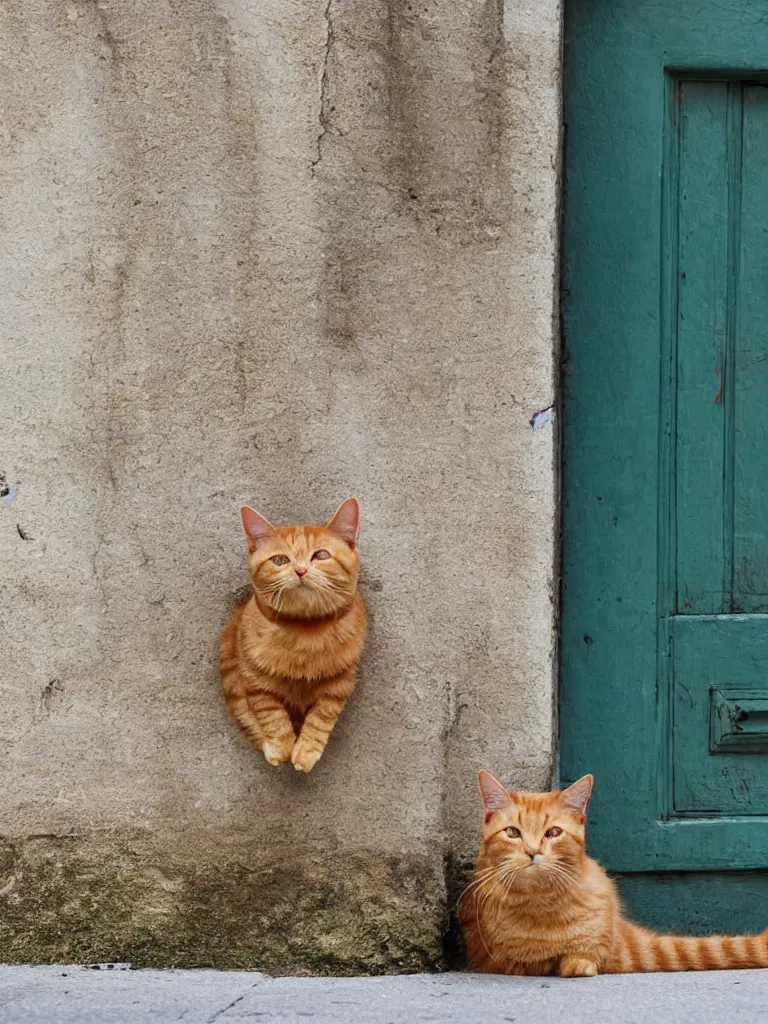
(278, 752)
(577, 967)
(304, 758)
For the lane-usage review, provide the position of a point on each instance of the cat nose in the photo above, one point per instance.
(300, 571)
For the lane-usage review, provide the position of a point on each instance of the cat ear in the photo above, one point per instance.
(255, 527)
(576, 796)
(345, 521)
(495, 797)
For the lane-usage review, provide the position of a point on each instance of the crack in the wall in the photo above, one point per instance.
(103, 31)
(324, 111)
(234, 1002)
(52, 689)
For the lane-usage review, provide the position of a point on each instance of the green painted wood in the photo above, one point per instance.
(718, 154)
(716, 653)
(751, 357)
(738, 720)
(700, 139)
(665, 470)
(697, 903)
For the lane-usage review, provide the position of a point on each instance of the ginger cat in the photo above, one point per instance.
(289, 654)
(538, 905)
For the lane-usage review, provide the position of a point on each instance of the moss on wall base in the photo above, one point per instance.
(100, 898)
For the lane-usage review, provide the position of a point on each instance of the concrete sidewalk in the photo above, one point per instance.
(65, 995)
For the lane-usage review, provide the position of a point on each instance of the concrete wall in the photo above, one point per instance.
(275, 251)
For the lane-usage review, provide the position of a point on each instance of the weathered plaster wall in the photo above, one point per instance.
(275, 251)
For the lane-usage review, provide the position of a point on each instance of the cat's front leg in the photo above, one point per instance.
(575, 966)
(318, 726)
(279, 750)
(264, 718)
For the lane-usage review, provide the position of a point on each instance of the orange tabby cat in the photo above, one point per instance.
(538, 905)
(289, 654)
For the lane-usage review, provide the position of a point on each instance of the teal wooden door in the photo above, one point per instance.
(664, 673)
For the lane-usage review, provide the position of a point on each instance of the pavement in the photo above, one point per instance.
(114, 994)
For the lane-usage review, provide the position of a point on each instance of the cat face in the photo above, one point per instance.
(538, 837)
(304, 571)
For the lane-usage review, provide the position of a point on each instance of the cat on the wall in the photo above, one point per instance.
(289, 654)
(538, 905)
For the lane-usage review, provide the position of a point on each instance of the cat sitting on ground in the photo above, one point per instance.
(289, 654)
(538, 905)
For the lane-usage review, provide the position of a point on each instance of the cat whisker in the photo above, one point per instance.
(509, 878)
(275, 587)
(479, 906)
(557, 868)
(506, 882)
(496, 882)
(476, 881)
(326, 591)
(484, 888)
(326, 603)
(323, 583)
(560, 879)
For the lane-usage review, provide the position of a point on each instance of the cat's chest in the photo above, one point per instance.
(298, 654)
(524, 938)
(295, 655)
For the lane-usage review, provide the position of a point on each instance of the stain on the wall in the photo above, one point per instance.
(540, 419)
(53, 689)
(420, 155)
(447, 116)
(8, 491)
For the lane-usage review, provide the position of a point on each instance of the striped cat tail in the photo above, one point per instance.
(640, 950)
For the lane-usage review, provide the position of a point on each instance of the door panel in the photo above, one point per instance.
(716, 170)
(750, 561)
(664, 675)
(703, 151)
(717, 174)
(720, 715)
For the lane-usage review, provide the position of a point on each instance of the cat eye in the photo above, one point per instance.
(280, 559)
(512, 832)
(552, 832)
(322, 553)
